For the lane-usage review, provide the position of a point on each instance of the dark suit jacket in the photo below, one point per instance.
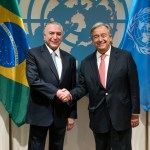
(43, 106)
(115, 104)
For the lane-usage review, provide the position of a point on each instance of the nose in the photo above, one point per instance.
(55, 36)
(100, 38)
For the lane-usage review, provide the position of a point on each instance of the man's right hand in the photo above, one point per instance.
(64, 95)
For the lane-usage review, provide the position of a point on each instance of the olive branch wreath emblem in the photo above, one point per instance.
(142, 49)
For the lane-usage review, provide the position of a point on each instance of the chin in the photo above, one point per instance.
(54, 47)
(101, 48)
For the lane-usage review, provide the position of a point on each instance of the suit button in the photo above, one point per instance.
(106, 94)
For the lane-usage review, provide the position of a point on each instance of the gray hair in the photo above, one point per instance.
(99, 24)
(53, 22)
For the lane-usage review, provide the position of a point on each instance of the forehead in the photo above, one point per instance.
(100, 29)
(53, 28)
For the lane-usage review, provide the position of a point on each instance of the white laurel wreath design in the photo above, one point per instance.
(131, 28)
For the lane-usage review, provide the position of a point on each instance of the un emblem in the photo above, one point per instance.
(139, 30)
(77, 17)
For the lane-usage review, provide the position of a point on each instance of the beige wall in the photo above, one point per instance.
(79, 138)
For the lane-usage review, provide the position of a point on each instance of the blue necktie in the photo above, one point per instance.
(54, 59)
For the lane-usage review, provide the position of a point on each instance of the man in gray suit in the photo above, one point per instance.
(49, 69)
(113, 88)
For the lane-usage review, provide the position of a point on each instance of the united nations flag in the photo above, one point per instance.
(137, 40)
(14, 89)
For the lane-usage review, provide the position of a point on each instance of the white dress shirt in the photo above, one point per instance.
(58, 60)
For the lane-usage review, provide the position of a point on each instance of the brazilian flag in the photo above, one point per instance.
(14, 89)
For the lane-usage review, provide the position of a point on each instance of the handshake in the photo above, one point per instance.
(64, 95)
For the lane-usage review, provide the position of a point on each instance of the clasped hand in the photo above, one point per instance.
(64, 95)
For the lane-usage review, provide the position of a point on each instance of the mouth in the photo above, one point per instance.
(55, 42)
(100, 44)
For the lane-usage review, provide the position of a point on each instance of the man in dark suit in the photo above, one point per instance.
(114, 98)
(47, 74)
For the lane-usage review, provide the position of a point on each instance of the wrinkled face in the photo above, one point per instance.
(53, 36)
(101, 39)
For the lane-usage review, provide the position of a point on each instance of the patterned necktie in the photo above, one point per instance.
(102, 70)
(54, 59)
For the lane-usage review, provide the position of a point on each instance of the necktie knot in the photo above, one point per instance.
(53, 54)
(103, 56)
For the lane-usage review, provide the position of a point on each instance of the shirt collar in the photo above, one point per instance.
(98, 55)
(57, 51)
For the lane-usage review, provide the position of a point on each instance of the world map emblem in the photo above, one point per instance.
(77, 17)
(139, 30)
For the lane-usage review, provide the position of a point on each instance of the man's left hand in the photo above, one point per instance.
(70, 123)
(134, 120)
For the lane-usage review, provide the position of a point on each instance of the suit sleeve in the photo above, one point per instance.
(81, 89)
(134, 85)
(73, 104)
(35, 82)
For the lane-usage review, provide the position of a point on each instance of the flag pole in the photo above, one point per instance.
(146, 130)
(10, 134)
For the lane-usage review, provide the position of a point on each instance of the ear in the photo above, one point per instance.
(44, 37)
(110, 38)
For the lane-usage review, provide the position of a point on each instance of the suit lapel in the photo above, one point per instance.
(112, 64)
(64, 64)
(49, 60)
(94, 67)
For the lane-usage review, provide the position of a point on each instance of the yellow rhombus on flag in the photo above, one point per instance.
(14, 89)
